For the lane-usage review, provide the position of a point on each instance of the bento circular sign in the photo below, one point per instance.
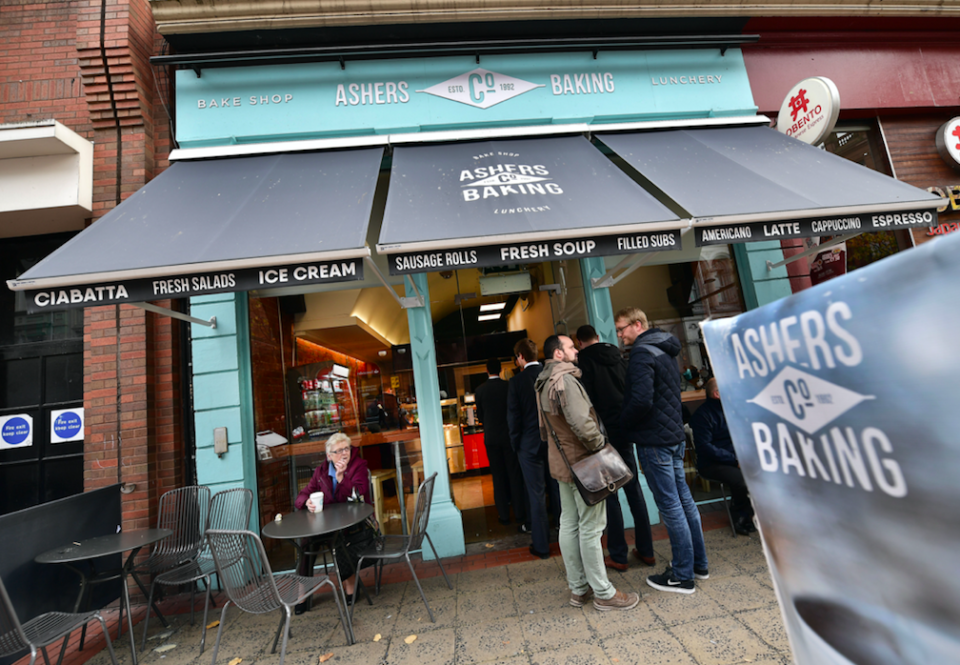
(810, 110)
(948, 142)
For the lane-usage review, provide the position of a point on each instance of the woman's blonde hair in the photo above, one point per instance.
(339, 437)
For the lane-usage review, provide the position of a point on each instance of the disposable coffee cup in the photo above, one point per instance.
(317, 498)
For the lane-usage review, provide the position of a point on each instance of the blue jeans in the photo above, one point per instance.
(663, 468)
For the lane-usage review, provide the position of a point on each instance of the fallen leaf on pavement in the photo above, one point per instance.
(410, 639)
(213, 625)
(325, 657)
(165, 647)
(376, 638)
(235, 661)
(489, 545)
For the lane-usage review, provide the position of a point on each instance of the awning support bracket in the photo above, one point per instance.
(163, 311)
(810, 252)
(404, 302)
(609, 280)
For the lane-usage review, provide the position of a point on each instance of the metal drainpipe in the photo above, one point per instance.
(113, 99)
(186, 400)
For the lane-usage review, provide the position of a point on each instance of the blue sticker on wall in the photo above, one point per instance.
(16, 431)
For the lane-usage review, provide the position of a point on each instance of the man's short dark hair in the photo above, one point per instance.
(526, 348)
(493, 366)
(587, 333)
(551, 344)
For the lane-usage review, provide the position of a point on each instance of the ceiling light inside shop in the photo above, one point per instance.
(488, 317)
(492, 307)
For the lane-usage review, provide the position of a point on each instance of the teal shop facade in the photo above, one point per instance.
(230, 112)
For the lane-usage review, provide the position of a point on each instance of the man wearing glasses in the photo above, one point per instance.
(651, 418)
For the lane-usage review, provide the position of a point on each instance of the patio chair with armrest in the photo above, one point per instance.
(252, 586)
(397, 547)
(43, 630)
(229, 509)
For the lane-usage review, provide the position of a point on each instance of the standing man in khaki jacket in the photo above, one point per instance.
(568, 417)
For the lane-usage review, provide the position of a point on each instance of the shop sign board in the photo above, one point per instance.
(194, 284)
(225, 106)
(16, 431)
(829, 263)
(844, 425)
(725, 234)
(533, 252)
(66, 425)
(948, 142)
(810, 110)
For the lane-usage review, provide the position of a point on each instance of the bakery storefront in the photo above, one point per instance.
(357, 238)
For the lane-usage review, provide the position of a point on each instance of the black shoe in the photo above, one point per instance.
(743, 526)
(503, 521)
(698, 573)
(667, 582)
(539, 554)
(523, 528)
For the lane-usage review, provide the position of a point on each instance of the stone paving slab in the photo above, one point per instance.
(515, 614)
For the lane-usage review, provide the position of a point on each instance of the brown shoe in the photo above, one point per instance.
(620, 601)
(580, 600)
(610, 563)
(649, 560)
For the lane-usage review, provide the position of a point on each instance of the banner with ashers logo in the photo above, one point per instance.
(841, 404)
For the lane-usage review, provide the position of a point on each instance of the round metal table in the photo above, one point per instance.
(101, 546)
(330, 521)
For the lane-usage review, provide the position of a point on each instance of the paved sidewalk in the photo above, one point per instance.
(514, 614)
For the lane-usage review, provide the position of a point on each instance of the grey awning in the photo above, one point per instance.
(216, 226)
(743, 184)
(503, 202)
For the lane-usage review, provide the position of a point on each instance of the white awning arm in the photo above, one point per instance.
(609, 280)
(809, 252)
(404, 302)
(163, 311)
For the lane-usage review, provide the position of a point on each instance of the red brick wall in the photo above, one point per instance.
(52, 67)
(267, 326)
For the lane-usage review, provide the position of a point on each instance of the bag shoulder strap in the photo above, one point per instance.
(556, 439)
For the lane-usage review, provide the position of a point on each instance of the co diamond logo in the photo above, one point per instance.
(505, 179)
(806, 401)
(481, 88)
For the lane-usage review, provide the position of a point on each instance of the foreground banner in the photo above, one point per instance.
(841, 401)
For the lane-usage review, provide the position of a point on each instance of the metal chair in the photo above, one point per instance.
(229, 509)
(42, 631)
(396, 547)
(251, 585)
(184, 511)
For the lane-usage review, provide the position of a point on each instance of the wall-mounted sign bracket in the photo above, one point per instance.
(810, 252)
(163, 311)
(404, 302)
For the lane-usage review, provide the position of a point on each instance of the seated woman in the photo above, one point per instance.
(341, 477)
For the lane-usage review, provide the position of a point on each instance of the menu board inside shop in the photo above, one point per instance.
(533, 252)
(195, 284)
(708, 233)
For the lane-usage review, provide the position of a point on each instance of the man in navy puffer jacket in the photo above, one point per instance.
(651, 418)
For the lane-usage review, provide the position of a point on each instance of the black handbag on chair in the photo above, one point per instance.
(600, 474)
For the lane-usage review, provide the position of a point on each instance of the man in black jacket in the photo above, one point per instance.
(651, 418)
(524, 425)
(603, 373)
(716, 458)
(507, 480)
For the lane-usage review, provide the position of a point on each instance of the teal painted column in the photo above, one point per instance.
(223, 394)
(761, 286)
(600, 311)
(446, 523)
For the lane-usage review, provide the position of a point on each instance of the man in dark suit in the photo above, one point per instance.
(524, 425)
(504, 467)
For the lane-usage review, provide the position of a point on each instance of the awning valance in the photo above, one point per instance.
(492, 203)
(747, 184)
(218, 226)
